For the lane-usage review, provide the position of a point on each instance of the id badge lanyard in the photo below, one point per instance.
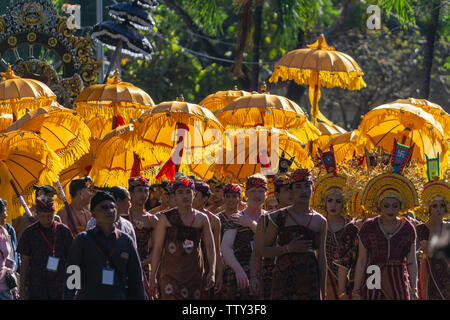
(53, 261)
(108, 272)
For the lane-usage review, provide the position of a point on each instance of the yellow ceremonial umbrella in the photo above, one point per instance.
(19, 94)
(329, 129)
(113, 99)
(155, 134)
(100, 126)
(6, 119)
(319, 65)
(220, 99)
(80, 168)
(25, 160)
(406, 123)
(249, 158)
(114, 163)
(436, 110)
(262, 109)
(65, 132)
(344, 145)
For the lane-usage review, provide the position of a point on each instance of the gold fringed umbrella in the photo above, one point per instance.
(156, 128)
(25, 159)
(319, 65)
(100, 127)
(19, 94)
(248, 158)
(406, 123)
(220, 99)
(113, 99)
(114, 163)
(65, 132)
(262, 109)
(434, 109)
(6, 119)
(344, 145)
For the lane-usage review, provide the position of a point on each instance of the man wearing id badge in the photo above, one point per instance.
(107, 258)
(44, 247)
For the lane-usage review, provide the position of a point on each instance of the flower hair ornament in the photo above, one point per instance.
(183, 182)
(301, 175)
(256, 182)
(139, 181)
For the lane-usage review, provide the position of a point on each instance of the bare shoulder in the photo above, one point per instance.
(320, 219)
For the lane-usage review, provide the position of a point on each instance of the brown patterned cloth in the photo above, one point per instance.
(434, 277)
(295, 275)
(243, 247)
(332, 252)
(182, 269)
(347, 253)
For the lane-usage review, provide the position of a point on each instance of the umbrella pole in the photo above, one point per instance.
(114, 59)
(21, 199)
(315, 106)
(67, 207)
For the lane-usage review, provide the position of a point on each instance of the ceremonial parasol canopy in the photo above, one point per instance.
(114, 163)
(434, 109)
(65, 132)
(113, 99)
(221, 99)
(80, 168)
(26, 160)
(132, 42)
(147, 4)
(406, 123)
(156, 128)
(19, 94)
(255, 159)
(137, 17)
(6, 119)
(344, 145)
(319, 65)
(262, 109)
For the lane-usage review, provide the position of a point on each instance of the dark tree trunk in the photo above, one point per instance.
(429, 48)
(257, 32)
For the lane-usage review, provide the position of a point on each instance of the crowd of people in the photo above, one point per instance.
(289, 236)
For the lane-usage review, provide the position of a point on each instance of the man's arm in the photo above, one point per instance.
(322, 258)
(23, 290)
(158, 236)
(210, 251)
(216, 227)
(63, 215)
(412, 271)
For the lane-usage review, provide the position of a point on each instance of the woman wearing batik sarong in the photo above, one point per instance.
(434, 277)
(328, 199)
(386, 268)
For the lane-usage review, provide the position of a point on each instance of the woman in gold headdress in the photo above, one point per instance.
(387, 243)
(328, 199)
(434, 278)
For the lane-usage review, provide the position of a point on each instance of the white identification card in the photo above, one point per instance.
(52, 264)
(108, 277)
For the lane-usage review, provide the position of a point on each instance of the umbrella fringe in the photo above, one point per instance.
(117, 177)
(328, 79)
(90, 111)
(21, 105)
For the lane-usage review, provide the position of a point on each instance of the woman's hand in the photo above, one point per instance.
(242, 279)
